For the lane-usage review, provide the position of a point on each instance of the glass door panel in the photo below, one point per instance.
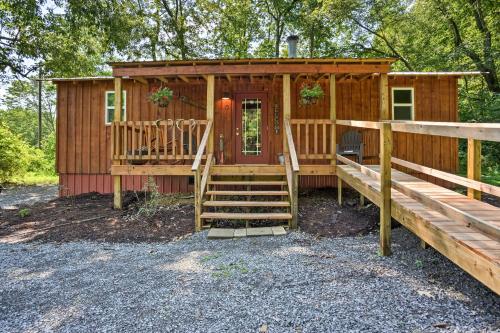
(251, 133)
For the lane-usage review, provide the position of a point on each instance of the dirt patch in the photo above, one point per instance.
(91, 217)
(321, 215)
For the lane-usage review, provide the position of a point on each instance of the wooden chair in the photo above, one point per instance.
(351, 144)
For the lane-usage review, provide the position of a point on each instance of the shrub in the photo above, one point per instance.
(14, 155)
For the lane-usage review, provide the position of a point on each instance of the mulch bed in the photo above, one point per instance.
(321, 215)
(91, 217)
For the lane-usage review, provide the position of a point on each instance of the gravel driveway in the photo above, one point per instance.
(11, 198)
(293, 283)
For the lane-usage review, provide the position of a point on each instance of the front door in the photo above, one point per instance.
(251, 128)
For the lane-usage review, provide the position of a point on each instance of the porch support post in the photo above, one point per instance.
(385, 169)
(117, 180)
(210, 110)
(333, 118)
(287, 108)
(474, 166)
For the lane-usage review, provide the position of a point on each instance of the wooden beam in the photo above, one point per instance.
(287, 108)
(141, 80)
(228, 77)
(474, 166)
(183, 78)
(117, 180)
(333, 118)
(384, 97)
(151, 170)
(210, 110)
(385, 188)
(162, 79)
(477, 131)
(359, 123)
(291, 146)
(470, 183)
(245, 69)
(297, 77)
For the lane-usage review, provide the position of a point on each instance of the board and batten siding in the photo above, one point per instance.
(83, 139)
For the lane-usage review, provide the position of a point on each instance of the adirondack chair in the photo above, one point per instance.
(351, 144)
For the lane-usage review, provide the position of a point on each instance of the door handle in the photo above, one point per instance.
(237, 131)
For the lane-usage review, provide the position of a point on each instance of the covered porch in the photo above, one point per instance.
(293, 143)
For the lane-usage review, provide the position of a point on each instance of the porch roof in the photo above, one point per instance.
(267, 66)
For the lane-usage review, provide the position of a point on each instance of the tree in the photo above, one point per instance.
(236, 26)
(21, 110)
(468, 22)
(281, 13)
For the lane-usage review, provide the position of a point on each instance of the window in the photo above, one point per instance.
(109, 112)
(402, 104)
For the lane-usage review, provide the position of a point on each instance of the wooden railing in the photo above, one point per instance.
(292, 172)
(200, 180)
(162, 140)
(471, 131)
(314, 138)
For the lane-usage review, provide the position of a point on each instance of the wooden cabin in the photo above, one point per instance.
(241, 118)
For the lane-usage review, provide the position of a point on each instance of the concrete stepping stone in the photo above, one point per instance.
(219, 233)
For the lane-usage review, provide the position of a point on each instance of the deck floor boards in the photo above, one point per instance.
(476, 252)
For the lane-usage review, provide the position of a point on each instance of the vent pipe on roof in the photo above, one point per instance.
(292, 41)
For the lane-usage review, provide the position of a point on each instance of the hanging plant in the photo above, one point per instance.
(162, 97)
(310, 93)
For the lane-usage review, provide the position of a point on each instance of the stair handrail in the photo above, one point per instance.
(201, 147)
(206, 173)
(291, 147)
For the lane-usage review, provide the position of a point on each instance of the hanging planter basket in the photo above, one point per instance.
(162, 97)
(310, 93)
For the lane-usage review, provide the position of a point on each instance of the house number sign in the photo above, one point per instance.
(276, 119)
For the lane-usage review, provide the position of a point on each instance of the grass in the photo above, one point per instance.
(32, 178)
(493, 179)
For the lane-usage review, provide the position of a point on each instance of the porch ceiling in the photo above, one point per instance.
(257, 67)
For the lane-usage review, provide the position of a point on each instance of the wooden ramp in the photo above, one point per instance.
(474, 249)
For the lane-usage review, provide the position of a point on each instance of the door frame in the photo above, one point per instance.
(238, 157)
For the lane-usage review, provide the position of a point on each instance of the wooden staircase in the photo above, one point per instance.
(245, 195)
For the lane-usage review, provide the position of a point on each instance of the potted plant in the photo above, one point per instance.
(162, 97)
(310, 93)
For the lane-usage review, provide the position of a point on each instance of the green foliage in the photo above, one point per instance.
(24, 212)
(310, 93)
(14, 155)
(162, 96)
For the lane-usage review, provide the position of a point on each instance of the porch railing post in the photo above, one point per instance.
(474, 166)
(385, 167)
(210, 110)
(117, 180)
(385, 188)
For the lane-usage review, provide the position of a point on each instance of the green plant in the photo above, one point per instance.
(419, 264)
(310, 93)
(162, 96)
(24, 212)
(152, 197)
(14, 155)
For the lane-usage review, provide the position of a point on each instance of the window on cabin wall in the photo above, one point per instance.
(109, 112)
(402, 104)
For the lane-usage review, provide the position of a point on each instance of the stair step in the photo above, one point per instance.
(247, 182)
(228, 203)
(247, 216)
(247, 193)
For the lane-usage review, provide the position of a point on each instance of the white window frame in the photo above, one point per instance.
(412, 104)
(106, 107)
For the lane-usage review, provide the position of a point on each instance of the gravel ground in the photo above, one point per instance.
(294, 283)
(11, 198)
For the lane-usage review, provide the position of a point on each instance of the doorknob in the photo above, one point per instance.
(237, 131)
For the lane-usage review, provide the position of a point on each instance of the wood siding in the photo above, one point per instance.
(83, 139)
